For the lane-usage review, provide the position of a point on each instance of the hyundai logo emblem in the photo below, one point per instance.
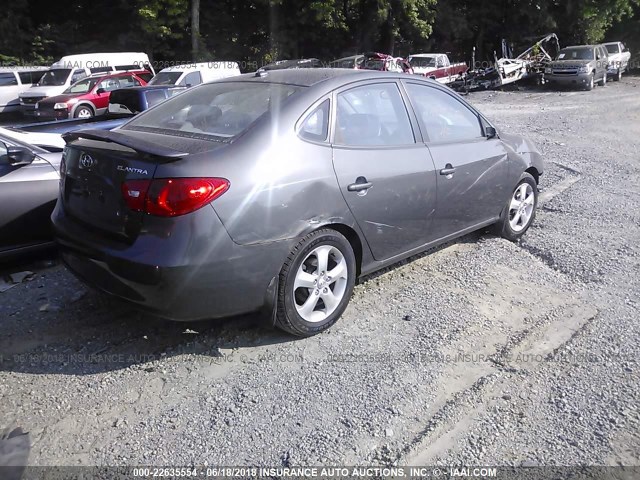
(86, 161)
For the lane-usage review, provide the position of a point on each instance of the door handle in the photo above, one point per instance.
(360, 185)
(448, 170)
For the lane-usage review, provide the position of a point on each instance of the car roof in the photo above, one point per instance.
(584, 47)
(305, 77)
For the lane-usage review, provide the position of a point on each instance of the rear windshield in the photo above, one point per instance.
(165, 78)
(216, 110)
(55, 77)
(576, 54)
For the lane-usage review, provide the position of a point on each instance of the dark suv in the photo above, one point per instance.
(580, 66)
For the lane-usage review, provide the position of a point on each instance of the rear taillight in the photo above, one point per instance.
(170, 197)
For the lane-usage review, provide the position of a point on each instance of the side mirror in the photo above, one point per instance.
(490, 132)
(16, 156)
(100, 91)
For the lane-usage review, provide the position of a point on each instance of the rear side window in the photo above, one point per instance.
(316, 126)
(78, 75)
(7, 79)
(444, 117)
(217, 110)
(372, 115)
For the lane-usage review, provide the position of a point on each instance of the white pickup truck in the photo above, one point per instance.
(437, 66)
(619, 57)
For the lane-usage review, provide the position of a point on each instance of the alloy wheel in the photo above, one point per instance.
(521, 207)
(320, 283)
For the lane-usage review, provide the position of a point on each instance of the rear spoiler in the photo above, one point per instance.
(140, 146)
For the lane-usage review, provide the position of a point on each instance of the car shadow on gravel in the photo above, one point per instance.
(96, 334)
(69, 330)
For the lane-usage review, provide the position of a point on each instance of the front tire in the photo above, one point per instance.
(83, 112)
(590, 83)
(603, 82)
(315, 283)
(520, 211)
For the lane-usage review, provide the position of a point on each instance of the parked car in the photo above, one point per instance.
(619, 57)
(14, 80)
(194, 74)
(437, 66)
(72, 68)
(374, 61)
(52, 142)
(88, 97)
(29, 184)
(133, 100)
(580, 66)
(275, 192)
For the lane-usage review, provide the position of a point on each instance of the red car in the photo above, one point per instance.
(90, 96)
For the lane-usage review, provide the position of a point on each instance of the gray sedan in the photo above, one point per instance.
(29, 182)
(275, 191)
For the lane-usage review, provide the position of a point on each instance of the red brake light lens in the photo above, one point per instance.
(170, 197)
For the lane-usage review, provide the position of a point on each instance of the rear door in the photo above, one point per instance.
(385, 172)
(471, 169)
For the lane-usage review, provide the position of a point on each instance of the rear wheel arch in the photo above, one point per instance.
(354, 239)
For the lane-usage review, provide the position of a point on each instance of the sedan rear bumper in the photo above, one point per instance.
(170, 278)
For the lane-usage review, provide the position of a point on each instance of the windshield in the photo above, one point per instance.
(83, 86)
(217, 110)
(55, 77)
(422, 62)
(612, 48)
(165, 78)
(575, 54)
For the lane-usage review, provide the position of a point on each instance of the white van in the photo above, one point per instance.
(196, 73)
(14, 80)
(72, 68)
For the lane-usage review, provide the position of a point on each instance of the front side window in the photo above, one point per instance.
(191, 79)
(316, 126)
(216, 110)
(612, 48)
(445, 118)
(7, 79)
(372, 115)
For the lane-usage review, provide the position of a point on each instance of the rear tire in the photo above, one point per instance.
(315, 283)
(520, 210)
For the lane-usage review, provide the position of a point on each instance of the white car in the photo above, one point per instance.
(14, 80)
(193, 74)
(51, 142)
(619, 57)
(70, 69)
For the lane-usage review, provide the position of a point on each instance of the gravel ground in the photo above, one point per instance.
(482, 352)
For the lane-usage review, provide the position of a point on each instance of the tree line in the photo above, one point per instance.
(261, 31)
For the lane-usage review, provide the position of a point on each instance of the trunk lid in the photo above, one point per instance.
(96, 165)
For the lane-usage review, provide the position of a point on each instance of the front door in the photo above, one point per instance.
(470, 168)
(386, 177)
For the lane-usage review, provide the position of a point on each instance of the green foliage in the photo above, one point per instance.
(266, 30)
